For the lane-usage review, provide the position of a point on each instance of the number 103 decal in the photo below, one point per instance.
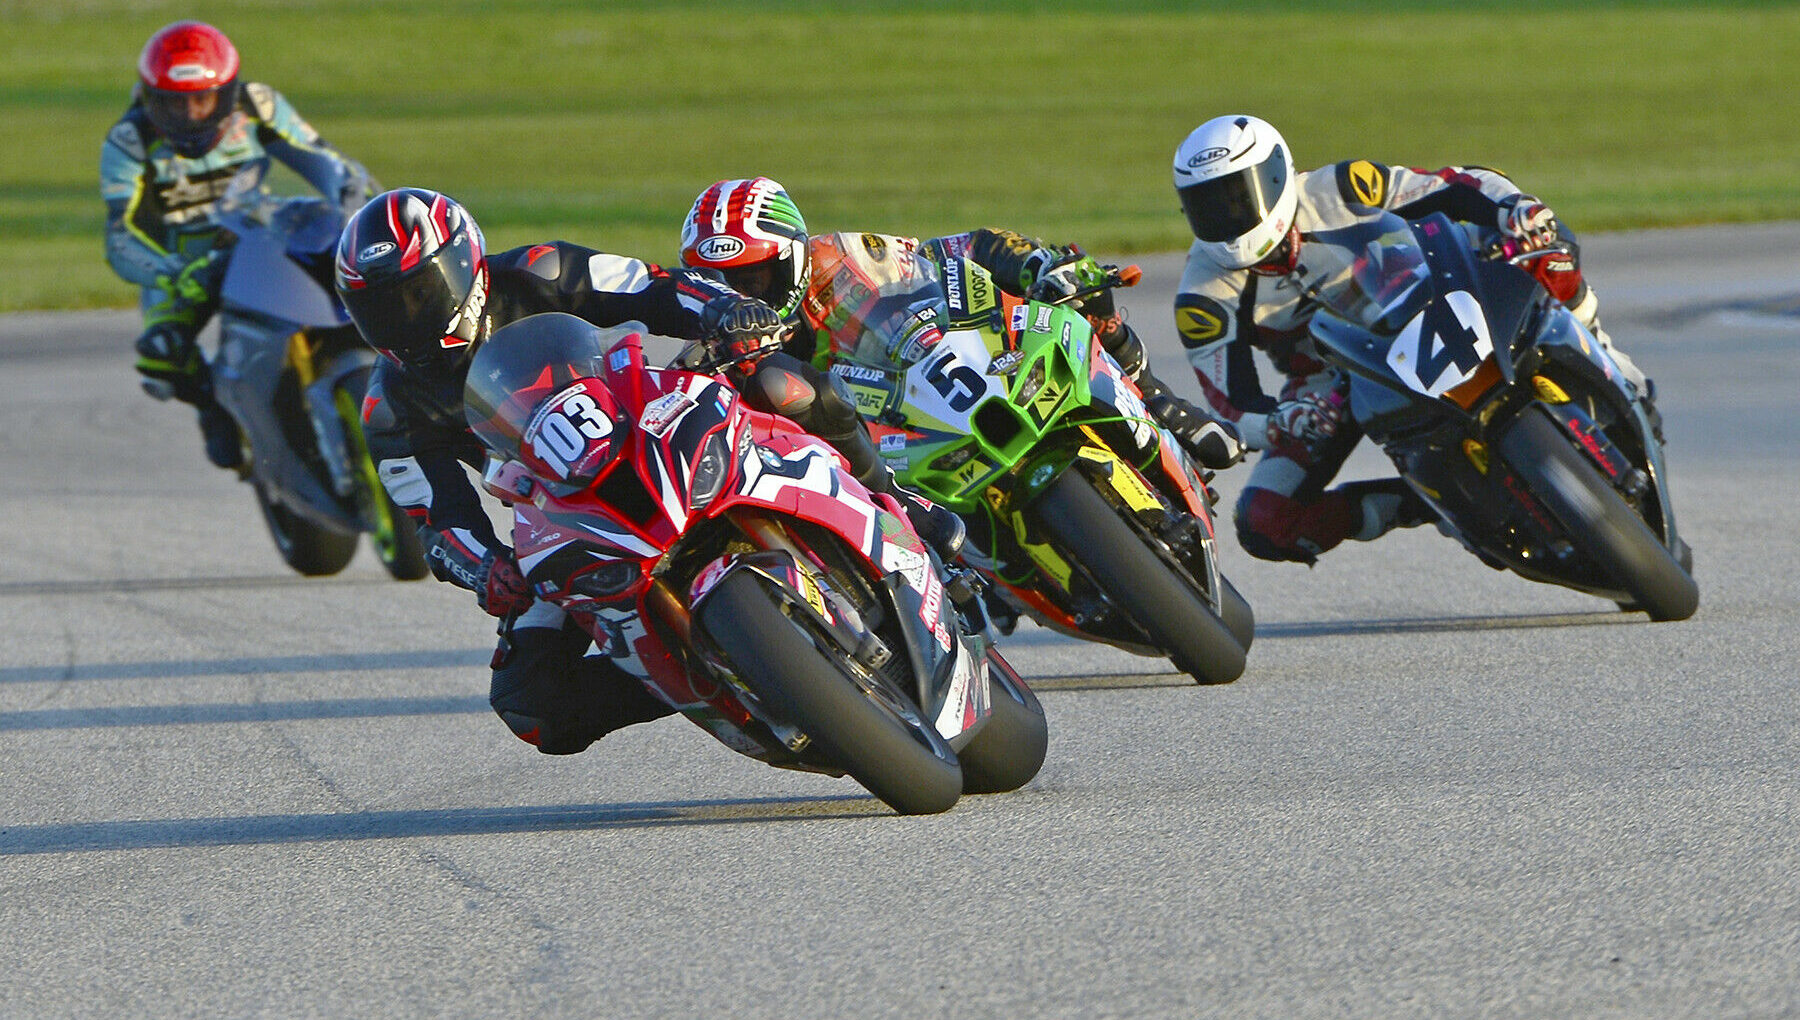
(571, 434)
(1443, 346)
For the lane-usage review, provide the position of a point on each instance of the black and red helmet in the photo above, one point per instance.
(187, 79)
(412, 274)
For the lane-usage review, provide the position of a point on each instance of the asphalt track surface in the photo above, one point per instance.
(1436, 791)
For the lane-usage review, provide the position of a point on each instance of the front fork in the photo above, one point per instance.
(337, 427)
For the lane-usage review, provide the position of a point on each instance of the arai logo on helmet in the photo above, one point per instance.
(375, 251)
(719, 248)
(1205, 156)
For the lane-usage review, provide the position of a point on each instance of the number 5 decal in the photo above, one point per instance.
(961, 387)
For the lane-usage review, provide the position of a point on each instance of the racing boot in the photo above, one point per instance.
(937, 525)
(1212, 442)
(1385, 504)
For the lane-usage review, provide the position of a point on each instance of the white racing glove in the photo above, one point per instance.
(1308, 419)
(1528, 221)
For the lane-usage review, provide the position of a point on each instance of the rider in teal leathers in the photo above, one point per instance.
(191, 127)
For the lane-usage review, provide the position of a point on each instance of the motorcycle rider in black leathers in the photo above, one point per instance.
(749, 233)
(412, 271)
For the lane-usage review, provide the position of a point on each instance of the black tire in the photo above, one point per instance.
(1137, 580)
(1240, 619)
(904, 762)
(309, 549)
(1009, 748)
(1598, 519)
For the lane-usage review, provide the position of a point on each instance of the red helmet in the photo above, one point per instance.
(412, 274)
(187, 78)
(749, 234)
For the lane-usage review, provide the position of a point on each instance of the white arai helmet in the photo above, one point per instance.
(1235, 177)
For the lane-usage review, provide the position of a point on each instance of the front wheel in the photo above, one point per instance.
(308, 548)
(1133, 577)
(885, 744)
(1240, 619)
(1009, 748)
(1598, 519)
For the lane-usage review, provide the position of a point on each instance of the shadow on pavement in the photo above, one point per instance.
(256, 830)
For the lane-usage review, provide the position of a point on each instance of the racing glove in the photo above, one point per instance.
(194, 284)
(1305, 420)
(740, 326)
(1075, 273)
(499, 586)
(1528, 221)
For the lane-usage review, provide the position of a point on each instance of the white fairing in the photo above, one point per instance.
(936, 390)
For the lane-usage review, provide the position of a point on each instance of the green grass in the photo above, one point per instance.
(600, 122)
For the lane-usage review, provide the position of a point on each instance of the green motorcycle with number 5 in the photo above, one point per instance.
(1087, 512)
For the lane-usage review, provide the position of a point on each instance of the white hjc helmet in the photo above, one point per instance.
(1235, 177)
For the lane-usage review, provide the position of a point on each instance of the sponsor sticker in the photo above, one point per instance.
(661, 414)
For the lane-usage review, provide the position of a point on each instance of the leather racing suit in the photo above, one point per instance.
(161, 234)
(1224, 315)
(547, 690)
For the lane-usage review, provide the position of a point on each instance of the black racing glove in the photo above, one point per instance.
(742, 327)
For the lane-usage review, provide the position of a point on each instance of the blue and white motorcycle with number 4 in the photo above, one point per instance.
(1502, 411)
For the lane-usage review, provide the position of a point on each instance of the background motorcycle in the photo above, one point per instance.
(1098, 522)
(1502, 411)
(292, 370)
(725, 557)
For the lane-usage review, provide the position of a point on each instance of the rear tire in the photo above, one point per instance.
(309, 549)
(1009, 749)
(1598, 519)
(1138, 581)
(904, 762)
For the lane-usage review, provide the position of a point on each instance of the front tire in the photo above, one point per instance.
(1009, 749)
(1240, 619)
(309, 549)
(1598, 519)
(1093, 535)
(902, 761)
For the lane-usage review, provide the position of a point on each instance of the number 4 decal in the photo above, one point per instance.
(1442, 347)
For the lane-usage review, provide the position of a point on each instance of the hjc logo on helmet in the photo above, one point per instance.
(1206, 156)
(375, 251)
(719, 248)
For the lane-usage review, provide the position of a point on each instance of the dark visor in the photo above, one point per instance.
(766, 281)
(410, 315)
(1227, 208)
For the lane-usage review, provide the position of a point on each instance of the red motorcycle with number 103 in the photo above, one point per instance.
(730, 561)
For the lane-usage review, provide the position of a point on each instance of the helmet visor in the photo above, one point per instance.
(190, 120)
(770, 281)
(1227, 208)
(411, 315)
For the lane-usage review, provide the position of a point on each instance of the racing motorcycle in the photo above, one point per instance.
(292, 370)
(1087, 512)
(1501, 410)
(730, 561)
